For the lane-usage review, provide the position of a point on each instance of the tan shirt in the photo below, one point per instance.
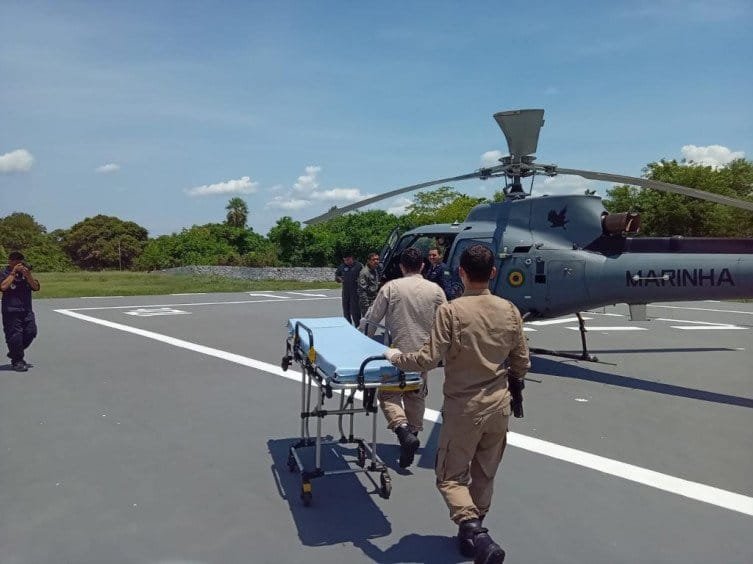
(407, 306)
(478, 335)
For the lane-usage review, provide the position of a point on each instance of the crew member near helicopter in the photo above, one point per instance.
(19, 324)
(479, 336)
(408, 305)
(438, 272)
(347, 275)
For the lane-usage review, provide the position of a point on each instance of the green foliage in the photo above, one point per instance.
(237, 213)
(46, 255)
(672, 214)
(443, 205)
(104, 241)
(19, 230)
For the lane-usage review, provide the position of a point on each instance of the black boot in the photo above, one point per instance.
(409, 444)
(467, 530)
(487, 551)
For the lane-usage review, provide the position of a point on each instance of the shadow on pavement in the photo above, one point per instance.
(421, 549)
(565, 369)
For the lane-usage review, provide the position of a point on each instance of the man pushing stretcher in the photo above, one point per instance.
(479, 336)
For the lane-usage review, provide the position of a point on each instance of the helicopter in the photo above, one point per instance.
(565, 254)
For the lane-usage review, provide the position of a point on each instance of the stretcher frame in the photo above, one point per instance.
(313, 376)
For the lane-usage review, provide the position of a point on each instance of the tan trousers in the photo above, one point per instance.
(405, 407)
(470, 450)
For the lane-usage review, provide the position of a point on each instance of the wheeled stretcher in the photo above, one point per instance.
(335, 357)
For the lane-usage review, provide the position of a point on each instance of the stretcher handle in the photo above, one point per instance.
(297, 338)
(360, 379)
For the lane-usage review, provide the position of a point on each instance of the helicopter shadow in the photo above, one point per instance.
(561, 369)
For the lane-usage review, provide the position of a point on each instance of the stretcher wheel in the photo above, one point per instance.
(361, 453)
(386, 485)
(306, 494)
(285, 363)
(292, 464)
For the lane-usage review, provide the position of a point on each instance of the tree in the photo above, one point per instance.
(672, 214)
(286, 235)
(19, 230)
(237, 212)
(104, 242)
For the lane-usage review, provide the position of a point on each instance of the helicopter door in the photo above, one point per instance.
(457, 250)
(389, 247)
(565, 280)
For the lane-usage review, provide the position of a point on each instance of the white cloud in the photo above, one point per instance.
(491, 158)
(242, 185)
(107, 168)
(339, 194)
(291, 204)
(307, 182)
(19, 160)
(399, 206)
(712, 155)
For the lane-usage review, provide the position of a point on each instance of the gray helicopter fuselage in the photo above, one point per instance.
(554, 258)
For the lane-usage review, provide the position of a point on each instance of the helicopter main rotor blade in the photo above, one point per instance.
(657, 185)
(335, 211)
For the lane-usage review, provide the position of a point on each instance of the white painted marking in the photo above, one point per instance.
(190, 294)
(99, 297)
(624, 328)
(709, 328)
(692, 490)
(704, 309)
(693, 322)
(187, 304)
(581, 400)
(556, 321)
(700, 325)
(310, 295)
(269, 296)
(529, 329)
(713, 301)
(606, 314)
(151, 312)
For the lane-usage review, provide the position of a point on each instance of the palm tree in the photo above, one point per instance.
(237, 212)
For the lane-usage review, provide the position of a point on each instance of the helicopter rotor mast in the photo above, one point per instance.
(521, 129)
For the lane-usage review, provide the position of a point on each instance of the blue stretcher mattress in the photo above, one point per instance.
(341, 348)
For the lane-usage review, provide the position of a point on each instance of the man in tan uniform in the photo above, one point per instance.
(480, 337)
(407, 305)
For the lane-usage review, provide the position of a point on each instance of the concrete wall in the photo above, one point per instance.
(302, 274)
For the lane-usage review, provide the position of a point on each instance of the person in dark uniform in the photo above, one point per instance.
(19, 324)
(347, 275)
(438, 272)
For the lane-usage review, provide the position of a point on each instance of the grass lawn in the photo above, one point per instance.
(116, 283)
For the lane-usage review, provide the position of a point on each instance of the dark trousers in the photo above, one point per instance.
(351, 308)
(20, 329)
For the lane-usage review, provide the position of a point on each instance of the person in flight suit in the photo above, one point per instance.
(480, 338)
(407, 305)
(347, 275)
(19, 324)
(368, 283)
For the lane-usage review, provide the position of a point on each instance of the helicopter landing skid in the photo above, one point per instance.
(584, 355)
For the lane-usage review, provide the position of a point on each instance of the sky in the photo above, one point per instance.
(160, 112)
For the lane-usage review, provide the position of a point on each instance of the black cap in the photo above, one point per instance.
(16, 255)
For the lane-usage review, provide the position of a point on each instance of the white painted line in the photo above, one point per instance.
(713, 301)
(709, 328)
(625, 328)
(555, 321)
(693, 322)
(151, 312)
(605, 314)
(99, 297)
(269, 296)
(310, 295)
(529, 329)
(692, 490)
(703, 309)
(190, 294)
(187, 304)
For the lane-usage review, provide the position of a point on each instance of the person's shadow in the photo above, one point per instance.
(421, 549)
